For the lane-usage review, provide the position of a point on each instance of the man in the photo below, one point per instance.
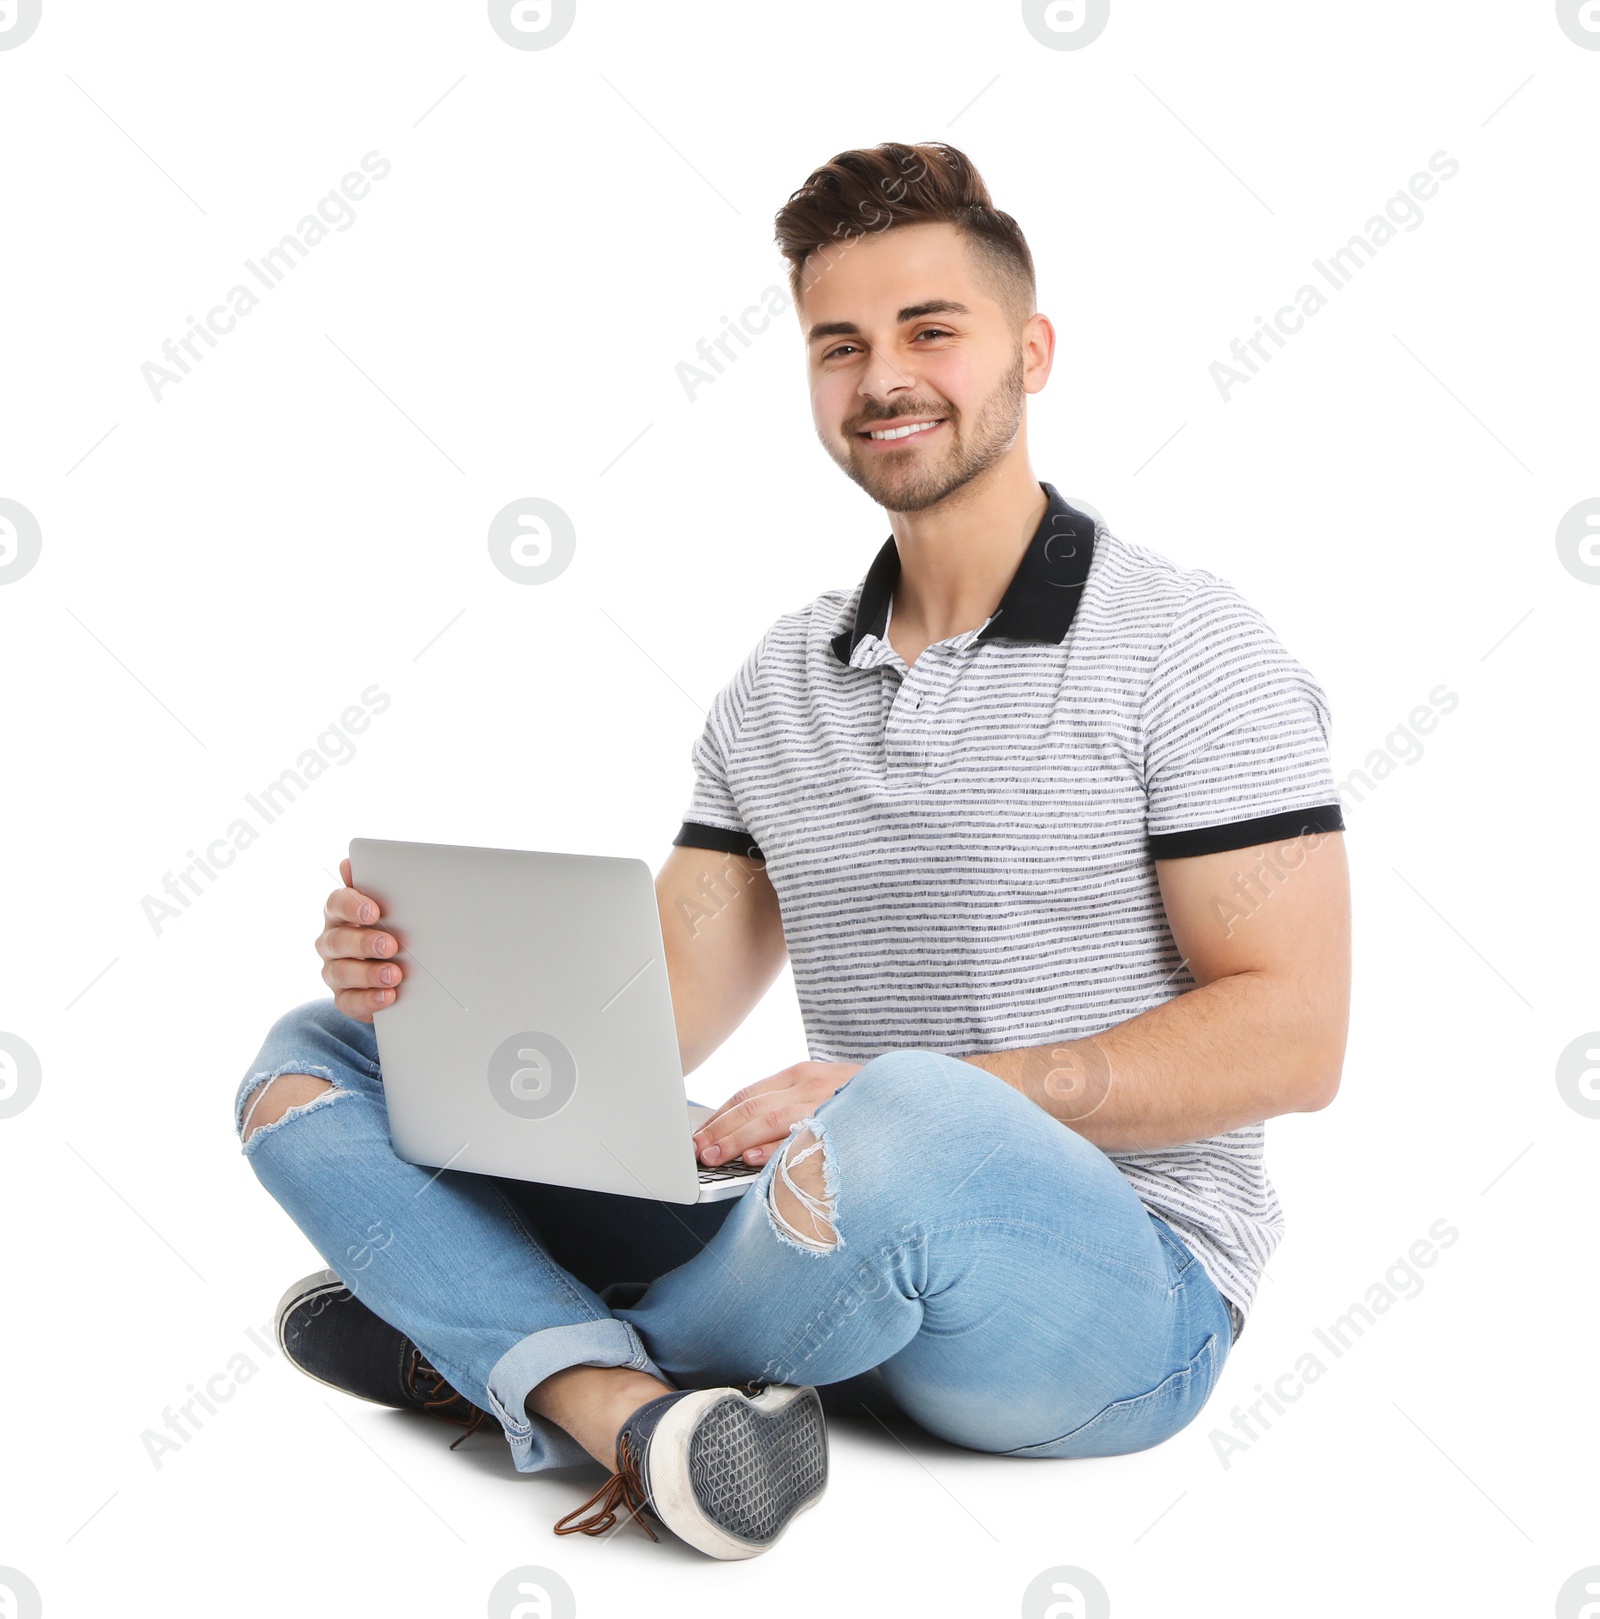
(1046, 827)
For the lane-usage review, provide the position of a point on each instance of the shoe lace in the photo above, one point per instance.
(437, 1397)
(625, 1488)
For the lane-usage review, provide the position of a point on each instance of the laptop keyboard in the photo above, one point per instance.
(727, 1172)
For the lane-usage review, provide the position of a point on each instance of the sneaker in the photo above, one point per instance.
(326, 1331)
(724, 1469)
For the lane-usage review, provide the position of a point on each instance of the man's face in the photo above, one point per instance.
(902, 329)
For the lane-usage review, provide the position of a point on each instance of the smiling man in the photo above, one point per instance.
(1046, 827)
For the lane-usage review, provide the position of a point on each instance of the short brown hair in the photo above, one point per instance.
(875, 188)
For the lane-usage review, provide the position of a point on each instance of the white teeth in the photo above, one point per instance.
(904, 432)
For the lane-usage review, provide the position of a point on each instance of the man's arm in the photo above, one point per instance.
(1266, 934)
(724, 941)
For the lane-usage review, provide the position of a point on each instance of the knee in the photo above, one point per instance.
(894, 1095)
(911, 1087)
(801, 1192)
(304, 1054)
(276, 1097)
(313, 1024)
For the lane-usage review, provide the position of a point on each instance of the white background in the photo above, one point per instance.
(305, 516)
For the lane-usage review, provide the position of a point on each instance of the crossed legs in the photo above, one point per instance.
(992, 1268)
(590, 1403)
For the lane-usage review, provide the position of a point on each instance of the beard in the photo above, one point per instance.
(914, 480)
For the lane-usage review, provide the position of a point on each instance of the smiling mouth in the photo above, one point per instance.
(893, 435)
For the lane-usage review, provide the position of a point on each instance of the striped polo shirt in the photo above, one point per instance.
(964, 850)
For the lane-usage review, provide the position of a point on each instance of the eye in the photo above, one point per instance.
(931, 331)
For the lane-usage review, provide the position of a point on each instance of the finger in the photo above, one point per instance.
(763, 1128)
(344, 972)
(737, 1111)
(351, 905)
(360, 943)
(360, 1004)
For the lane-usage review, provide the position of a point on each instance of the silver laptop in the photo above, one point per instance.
(533, 1035)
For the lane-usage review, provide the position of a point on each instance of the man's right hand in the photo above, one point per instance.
(358, 962)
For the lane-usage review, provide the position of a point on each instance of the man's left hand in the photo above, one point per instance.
(752, 1121)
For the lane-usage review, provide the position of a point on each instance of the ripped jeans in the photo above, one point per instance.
(992, 1274)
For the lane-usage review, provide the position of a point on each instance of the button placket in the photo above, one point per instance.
(914, 691)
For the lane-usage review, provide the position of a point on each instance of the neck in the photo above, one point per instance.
(957, 558)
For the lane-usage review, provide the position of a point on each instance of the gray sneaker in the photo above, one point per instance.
(724, 1469)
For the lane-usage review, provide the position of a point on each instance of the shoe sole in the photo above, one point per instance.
(728, 1472)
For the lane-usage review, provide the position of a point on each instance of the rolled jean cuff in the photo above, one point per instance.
(535, 1441)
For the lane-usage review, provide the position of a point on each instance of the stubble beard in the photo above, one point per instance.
(914, 486)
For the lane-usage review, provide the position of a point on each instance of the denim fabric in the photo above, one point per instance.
(995, 1278)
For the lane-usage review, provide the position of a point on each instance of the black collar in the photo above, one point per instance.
(1038, 604)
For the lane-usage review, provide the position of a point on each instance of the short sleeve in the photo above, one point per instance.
(1236, 735)
(712, 819)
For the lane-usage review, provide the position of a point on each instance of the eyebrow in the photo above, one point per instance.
(848, 328)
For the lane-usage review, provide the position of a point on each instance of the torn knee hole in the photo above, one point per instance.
(278, 1097)
(801, 1196)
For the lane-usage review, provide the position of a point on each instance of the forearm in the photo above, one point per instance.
(1239, 1049)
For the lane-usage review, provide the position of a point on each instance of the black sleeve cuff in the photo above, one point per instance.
(697, 835)
(1246, 834)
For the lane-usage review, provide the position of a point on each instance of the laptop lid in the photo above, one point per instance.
(533, 1036)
